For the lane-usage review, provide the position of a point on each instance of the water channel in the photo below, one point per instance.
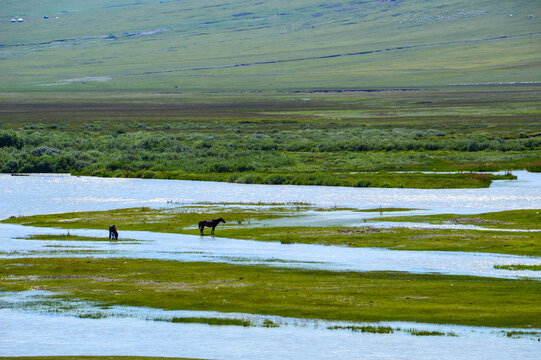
(43, 194)
(132, 331)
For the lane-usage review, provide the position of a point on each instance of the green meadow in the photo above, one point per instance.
(351, 296)
(303, 93)
(391, 94)
(513, 219)
(359, 140)
(217, 45)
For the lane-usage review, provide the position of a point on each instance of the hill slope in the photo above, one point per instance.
(307, 44)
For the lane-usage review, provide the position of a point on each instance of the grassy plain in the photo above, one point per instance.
(242, 223)
(272, 93)
(344, 139)
(220, 45)
(372, 296)
(513, 219)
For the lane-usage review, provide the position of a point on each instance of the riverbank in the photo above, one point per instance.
(331, 139)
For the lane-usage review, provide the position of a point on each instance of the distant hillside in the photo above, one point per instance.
(219, 45)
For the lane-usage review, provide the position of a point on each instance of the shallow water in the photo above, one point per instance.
(47, 193)
(196, 248)
(318, 218)
(133, 331)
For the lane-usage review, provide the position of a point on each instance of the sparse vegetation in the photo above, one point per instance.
(365, 329)
(68, 237)
(519, 267)
(417, 332)
(516, 334)
(212, 321)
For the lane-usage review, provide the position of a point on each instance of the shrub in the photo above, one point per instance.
(275, 179)
(362, 183)
(8, 139)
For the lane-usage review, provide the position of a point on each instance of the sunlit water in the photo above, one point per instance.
(196, 248)
(42, 194)
(135, 331)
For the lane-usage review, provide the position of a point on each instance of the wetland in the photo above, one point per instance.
(358, 217)
(381, 193)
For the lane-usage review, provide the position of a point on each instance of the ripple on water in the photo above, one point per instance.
(43, 194)
(41, 330)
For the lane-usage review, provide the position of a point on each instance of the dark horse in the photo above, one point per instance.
(211, 224)
(112, 232)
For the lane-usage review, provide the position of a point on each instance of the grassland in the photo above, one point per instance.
(242, 224)
(514, 219)
(217, 45)
(373, 296)
(180, 220)
(272, 93)
(342, 139)
(400, 239)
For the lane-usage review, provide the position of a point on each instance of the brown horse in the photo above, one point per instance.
(112, 232)
(212, 224)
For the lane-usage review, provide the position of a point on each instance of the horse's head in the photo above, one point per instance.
(222, 220)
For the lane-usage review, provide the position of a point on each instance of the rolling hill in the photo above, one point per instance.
(221, 45)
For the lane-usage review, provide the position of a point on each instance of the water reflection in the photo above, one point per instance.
(43, 194)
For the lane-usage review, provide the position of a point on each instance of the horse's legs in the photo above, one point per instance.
(201, 229)
(110, 233)
(212, 232)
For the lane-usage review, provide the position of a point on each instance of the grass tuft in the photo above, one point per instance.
(212, 321)
(365, 329)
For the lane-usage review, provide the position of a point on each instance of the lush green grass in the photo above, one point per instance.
(513, 219)
(336, 139)
(106, 45)
(310, 122)
(519, 267)
(350, 296)
(399, 238)
(240, 225)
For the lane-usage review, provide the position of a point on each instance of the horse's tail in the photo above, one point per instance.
(201, 224)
